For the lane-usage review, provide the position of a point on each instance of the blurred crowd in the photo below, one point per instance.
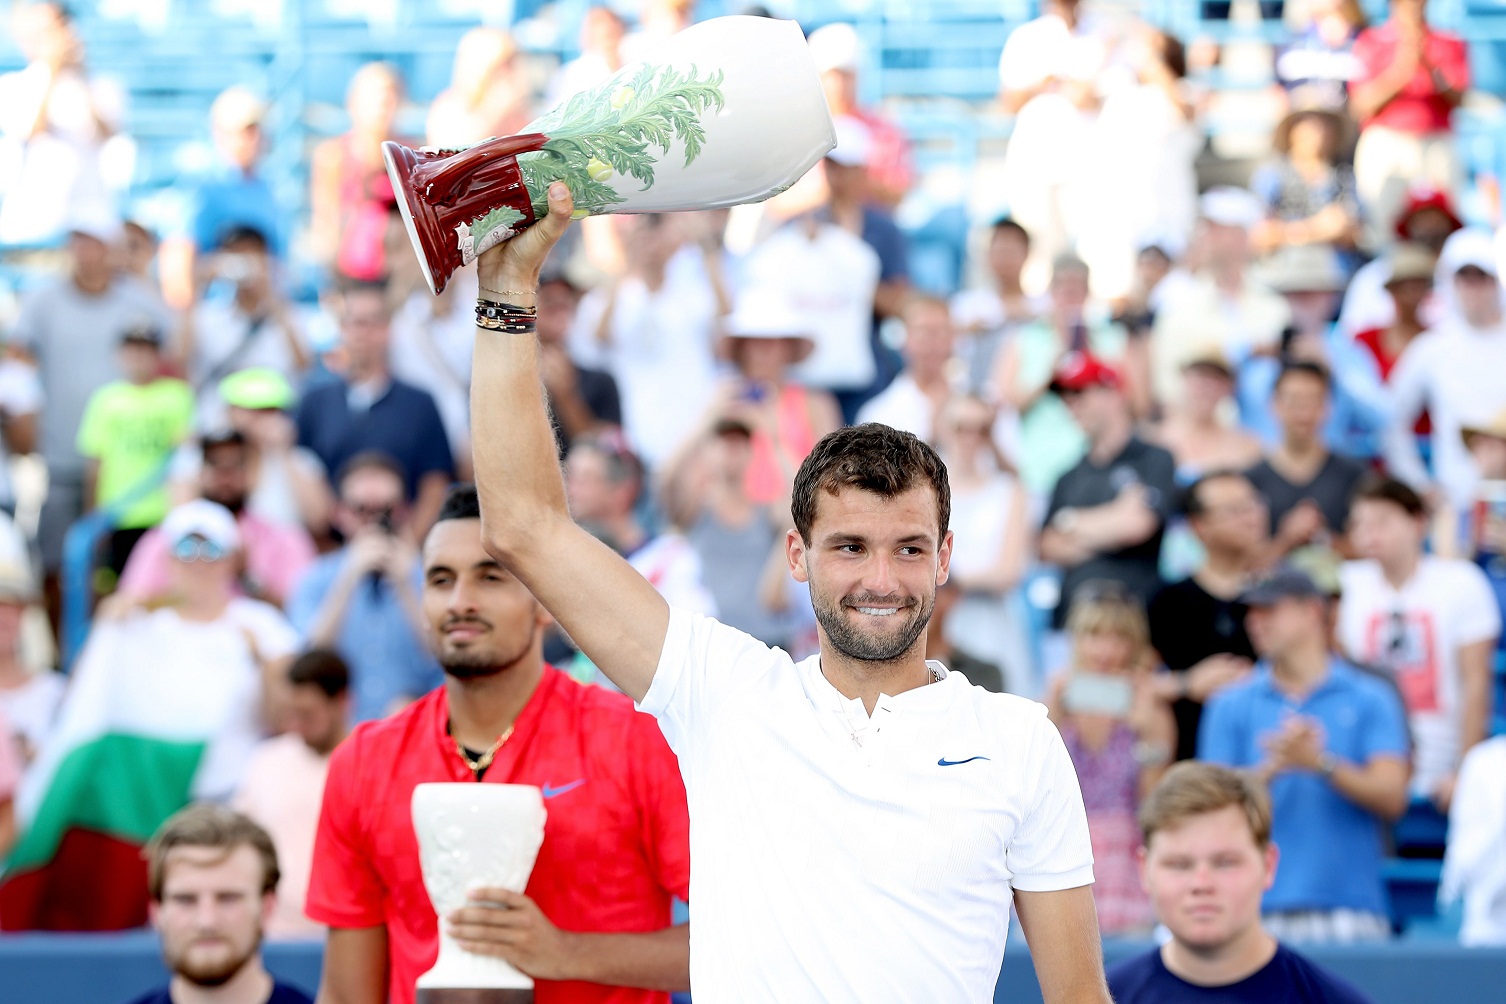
(1228, 462)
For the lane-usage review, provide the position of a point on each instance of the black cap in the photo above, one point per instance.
(1285, 583)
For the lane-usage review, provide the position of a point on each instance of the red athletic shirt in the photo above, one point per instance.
(616, 840)
(1419, 108)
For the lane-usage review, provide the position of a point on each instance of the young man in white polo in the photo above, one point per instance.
(862, 821)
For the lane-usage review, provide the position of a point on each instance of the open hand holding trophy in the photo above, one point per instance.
(473, 836)
(725, 112)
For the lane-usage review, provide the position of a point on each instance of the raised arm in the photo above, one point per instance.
(607, 608)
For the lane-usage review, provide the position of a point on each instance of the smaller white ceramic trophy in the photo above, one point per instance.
(473, 836)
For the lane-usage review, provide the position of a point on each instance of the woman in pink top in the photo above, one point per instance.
(787, 419)
(349, 192)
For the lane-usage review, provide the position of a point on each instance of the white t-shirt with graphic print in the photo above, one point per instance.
(1415, 633)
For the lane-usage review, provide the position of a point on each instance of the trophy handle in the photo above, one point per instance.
(445, 178)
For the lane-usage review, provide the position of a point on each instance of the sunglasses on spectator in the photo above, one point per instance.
(191, 549)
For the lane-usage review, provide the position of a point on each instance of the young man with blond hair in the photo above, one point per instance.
(1206, 861)
(213, 878)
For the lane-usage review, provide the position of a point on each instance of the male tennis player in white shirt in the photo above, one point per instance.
(861, 821)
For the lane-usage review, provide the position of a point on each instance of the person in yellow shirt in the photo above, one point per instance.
(128, 433)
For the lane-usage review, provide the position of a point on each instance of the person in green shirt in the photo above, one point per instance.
(129, 431)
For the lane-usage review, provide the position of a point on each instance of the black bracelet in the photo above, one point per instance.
(503, 311)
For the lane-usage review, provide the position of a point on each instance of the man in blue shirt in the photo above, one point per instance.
(1206, 860)
(363, 600)
(1332, 744)
(366, 408)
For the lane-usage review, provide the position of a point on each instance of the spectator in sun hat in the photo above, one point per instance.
(275, 554)
(1453, 369)
(1310, 278)
(288, 484)
(1429, 219)
(765, 340)
(1409, 284)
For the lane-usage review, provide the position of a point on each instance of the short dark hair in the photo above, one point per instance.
(370, 460)
(872, 458)
(1192, 498)
(1305, 367)
(1008, 224)
(322, 668)
(211, 441)
(1376, 488)
(622, 463)
(214, 827)
(462, 502)
(241, 233)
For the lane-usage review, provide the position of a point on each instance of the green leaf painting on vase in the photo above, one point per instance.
(486, 232)
(621, 128)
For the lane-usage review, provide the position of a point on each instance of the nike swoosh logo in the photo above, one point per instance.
(944, 762)
(550, 791)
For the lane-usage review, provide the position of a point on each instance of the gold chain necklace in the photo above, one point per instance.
(484, 760)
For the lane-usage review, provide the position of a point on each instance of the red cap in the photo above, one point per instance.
(1080, 370)
(1421, 197)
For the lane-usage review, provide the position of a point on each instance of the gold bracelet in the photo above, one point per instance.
(502, 294)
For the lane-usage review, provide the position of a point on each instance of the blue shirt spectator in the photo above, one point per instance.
(229, 199)
(365, 410)
(1358, 410)
(1288, 978)
(1331, 848)
(336, 422)
(363, 600)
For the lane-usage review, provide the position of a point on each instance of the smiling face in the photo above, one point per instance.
(1205, 876)
(212, 912)
(873, 564)
(481, 619)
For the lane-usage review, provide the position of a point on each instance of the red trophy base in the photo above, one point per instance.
(439, 191)
(472, 995)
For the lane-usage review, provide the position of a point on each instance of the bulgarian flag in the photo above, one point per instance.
(159, 711)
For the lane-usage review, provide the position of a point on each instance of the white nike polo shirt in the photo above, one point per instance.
(838, 858)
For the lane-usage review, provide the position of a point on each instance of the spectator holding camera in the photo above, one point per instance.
(362, 600)
(1120, 735)
(240, 320)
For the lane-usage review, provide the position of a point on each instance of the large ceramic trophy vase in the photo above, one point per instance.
(725, 112)
(473, 836)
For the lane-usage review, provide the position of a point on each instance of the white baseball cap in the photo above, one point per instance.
(94, 220)
(201, 518)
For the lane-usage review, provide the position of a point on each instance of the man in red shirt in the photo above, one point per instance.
(594, 919)
(1413, 79)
